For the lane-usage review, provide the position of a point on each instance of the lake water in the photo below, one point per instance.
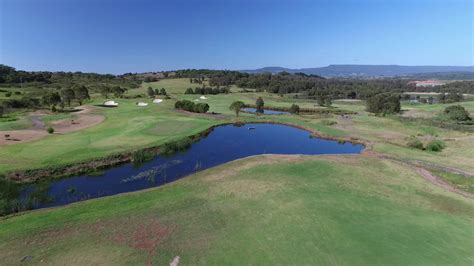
(266, 112)
(221, 145)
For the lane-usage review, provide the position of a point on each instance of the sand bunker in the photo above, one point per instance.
(82, 120)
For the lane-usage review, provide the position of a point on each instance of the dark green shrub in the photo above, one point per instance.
(141, 156)
(259, 104)
(192, 107)
(435, 145)
(50, 130)
(295, 109)
(176, 146)
(201, 108)
(457, 112)
(328, 122)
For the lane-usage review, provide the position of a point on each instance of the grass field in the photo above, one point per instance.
(261, 210)
(308, 210)
(130, 127)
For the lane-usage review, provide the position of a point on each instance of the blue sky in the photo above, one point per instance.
(133, 36)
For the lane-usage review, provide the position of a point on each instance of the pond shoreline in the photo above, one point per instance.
(98, 164)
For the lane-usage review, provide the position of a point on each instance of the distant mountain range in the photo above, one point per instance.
(368, 70)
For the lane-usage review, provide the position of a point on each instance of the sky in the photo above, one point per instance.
(107, 36)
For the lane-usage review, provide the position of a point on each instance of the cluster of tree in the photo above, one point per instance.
(384, 103)
(152, 93)
(199, 80)
(312, 86)
(10, 75)
(24, 102)
(191, 106)
(117, 91)
(207, 90)
(450, 97)
(49, 98)
(79, 93)
(466, 86)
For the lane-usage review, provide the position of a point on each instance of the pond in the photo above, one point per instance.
(265, 111)
(223, 144)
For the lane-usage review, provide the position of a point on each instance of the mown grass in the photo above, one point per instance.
(261, 210)
(129, 127)
(462, 182)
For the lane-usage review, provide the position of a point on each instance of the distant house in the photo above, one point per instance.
(429, 83)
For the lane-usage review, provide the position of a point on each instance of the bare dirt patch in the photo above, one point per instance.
(144, 236)
(417, 114)
(83, 120)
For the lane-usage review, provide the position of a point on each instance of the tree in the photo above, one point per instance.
(430, 100)
(259, 104)
(189, 91)
(150, 92)
(442, 98)
(320, 100)
(295, 109)
(457, 112)
(104, 91)
(454, 97)
(327, 101)
(118, 91)
(163, 91)
(236, 107)
(51, 98)
(383, 103)
(67, 95)
(81, 93)
(157, 92)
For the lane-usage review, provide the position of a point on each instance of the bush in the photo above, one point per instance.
(50, 130)
(457, 112)
(201, 108)
(436, 145)
(328, 122)
(9, 192)
(415, 143)
(295, 109)
(141, 156)
(176, 146)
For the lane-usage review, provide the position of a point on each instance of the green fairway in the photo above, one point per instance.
(261, 210)
(306, 210)
(130, 127)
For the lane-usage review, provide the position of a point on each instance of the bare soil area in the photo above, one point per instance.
(84, 119)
